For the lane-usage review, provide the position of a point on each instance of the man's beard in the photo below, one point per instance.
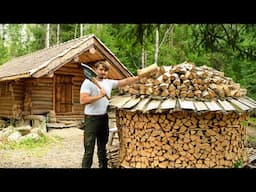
(101, 77)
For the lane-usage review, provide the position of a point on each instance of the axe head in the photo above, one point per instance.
(88, 71)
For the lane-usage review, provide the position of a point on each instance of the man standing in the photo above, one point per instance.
(96, 117)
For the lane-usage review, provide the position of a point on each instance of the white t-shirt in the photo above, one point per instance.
(98, 107)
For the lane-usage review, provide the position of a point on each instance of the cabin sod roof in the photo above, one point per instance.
(218, 93)
(46, 61)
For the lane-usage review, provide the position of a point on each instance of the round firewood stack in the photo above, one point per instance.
(183, 116)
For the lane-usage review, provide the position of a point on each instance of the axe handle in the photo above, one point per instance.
(97, 84)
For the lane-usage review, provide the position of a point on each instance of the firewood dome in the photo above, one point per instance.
(182, 116)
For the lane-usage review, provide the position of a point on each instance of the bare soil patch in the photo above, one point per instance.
(66, 152)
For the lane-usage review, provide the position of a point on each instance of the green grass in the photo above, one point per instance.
(244, 123)
(35, 147)
(252, 119)
(252, 139)
(238, 164)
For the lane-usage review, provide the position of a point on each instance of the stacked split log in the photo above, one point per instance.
(113, 156)
(186, 81)
(181, 139)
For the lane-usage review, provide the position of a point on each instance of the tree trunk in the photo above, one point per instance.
(2, 31)
(47, 36)
(81, 30)
(143, 52)
(171, 37)
(58, 34)
(22, 34)
(75, 31)
(142, 56)
(85, 27)
(157, 43)
(99, 28)
(166, 34)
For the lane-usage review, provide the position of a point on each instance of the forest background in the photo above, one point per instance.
(230, 48)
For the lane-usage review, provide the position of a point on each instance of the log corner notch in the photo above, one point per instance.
(92, 50)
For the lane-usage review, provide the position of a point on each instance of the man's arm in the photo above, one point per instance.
(85, 98)
(127, 81)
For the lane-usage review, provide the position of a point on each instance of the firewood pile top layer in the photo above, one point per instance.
(175, 104)
(184, 86)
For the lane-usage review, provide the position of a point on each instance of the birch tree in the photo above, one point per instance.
(75, 30)
(47, 36)
(156, 43)
(58, 34)
(81, 30)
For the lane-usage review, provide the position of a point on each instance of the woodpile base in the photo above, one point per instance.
(182, 139)
(113, 156)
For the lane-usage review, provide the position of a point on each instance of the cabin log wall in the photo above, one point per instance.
(11, 99)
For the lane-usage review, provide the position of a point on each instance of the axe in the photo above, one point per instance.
(91, 75)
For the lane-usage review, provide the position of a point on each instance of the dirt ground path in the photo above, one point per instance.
(251, 131)
(65, 153)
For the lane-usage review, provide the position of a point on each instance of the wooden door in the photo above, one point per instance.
(63, 93)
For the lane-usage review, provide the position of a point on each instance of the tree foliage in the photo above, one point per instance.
(226, 47)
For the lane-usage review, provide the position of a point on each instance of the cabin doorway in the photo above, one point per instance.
(63, 93)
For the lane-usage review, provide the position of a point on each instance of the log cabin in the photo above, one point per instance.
(50, 79)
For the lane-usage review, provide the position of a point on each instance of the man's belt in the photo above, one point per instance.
(96, 116)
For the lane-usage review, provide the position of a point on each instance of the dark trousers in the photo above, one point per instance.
(95, 130)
